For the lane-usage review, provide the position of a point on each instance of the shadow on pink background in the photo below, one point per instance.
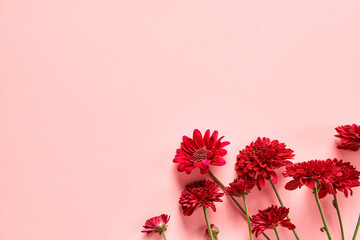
(96, 95)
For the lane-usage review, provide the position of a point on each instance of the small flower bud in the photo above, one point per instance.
(215, 230)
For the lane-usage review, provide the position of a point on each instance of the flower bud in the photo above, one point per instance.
(214, 229)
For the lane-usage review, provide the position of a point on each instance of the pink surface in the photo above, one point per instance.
(96, 95)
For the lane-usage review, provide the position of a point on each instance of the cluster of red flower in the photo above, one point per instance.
(255, 164)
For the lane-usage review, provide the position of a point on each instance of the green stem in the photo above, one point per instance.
(216, 238)
(237, 204)
(277, 234)
(316, 191)
(336, 205)
(163, 234)
(208, 224)
(357, 228)
(281, 203)
(247, 216)
(223, 187)
(232, 198)
(276, 192)
(216, 180)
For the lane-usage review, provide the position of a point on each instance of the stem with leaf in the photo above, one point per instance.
(316, 193)
(336, 205)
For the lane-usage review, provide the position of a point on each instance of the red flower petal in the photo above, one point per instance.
(292, 185)
(288, 225)
(274, 177)
(261, 182)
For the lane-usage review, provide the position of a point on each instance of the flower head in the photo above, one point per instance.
(270, 218)
(156, 224)
(242, 185)
(214, 229)
(259, 160)
(200, 193)
(350, 137)
(200, 152)
(349, 178)
(310, 172)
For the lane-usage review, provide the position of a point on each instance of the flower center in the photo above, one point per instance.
(200, 154)
(160, 228)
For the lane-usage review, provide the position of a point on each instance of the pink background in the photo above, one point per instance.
(96, 95)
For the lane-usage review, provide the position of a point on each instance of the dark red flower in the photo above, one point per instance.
(350, 137)
(242, 185)
(200, 193)
(270, 218)
(349, 178)
(307, 173)
(200, 152)
(259, 160)
(156, 224)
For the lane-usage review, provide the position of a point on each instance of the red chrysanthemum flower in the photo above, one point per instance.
(242, 185)
(200, 152)
(350, 137)
(349, 178)
(270, 218)
(156, 224)
(307, 173)
(259, 160)
(200, 193)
